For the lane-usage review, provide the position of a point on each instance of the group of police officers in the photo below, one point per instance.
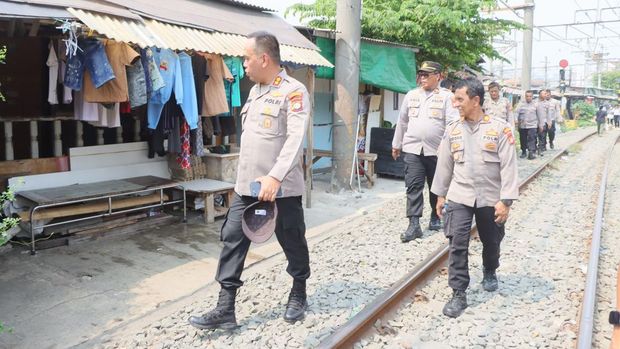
(461, 144)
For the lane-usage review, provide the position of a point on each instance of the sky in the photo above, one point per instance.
(546, 47)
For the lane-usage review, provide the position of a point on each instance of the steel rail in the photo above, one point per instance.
(586, 320)
(390, 301)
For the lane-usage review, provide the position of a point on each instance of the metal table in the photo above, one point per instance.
(89, 192)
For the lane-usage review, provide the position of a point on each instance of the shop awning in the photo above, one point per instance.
(151, 32)
(385, 65)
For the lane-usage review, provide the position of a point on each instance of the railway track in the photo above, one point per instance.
(403, 291)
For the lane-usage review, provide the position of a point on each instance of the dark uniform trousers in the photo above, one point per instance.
(550, 131)
(523, 139)
(542, 138)
(290, 231)
(417, 169)
(458, 219)
(527, 138)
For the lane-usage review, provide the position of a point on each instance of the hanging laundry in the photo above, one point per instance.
(189, 104)
(183, 159)
(94, 113)
(214, 101)
(154, 81)
(52, 64)
(201, 74)
(235, 65)
(170, 70)
(67, 93)
(120, 55)
(74, 75)
(136, 84)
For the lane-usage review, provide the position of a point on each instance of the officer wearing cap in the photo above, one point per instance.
(553, 113)
(529, 120)
(497, 106)
(274, 119)
(424, 114)
(477, 172)
(542, 108)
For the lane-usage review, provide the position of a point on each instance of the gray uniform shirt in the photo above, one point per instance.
(554, 109)
(477, 165)
(529, 115)
(501, 109)
(422, 121)
(274, 120)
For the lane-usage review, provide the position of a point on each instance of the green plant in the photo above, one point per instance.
(583, 110)
(7, 222)
(455, 33)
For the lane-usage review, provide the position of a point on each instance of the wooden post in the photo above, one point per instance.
(79, 134)
(136, 130)
(309, 138)
(99, 136)
(34, 140)
(8, 141)
(57, 138)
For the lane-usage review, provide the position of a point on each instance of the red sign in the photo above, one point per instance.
(563, 63)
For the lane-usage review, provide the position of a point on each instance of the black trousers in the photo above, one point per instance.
(457, 227)
(290, 231)
(617, 120)
(550, 131)
(542, 138)
(419, 168)
(523, 139)
(528, 136)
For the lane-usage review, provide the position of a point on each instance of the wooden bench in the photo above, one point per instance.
(207, 189)
(370, 158)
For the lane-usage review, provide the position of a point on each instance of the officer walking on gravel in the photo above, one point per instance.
(553, 113)
(529, 120)
(274, 119)
(477, 172)
(424, 114)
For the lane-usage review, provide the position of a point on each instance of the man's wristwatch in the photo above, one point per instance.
(506, 202)
(614, 318)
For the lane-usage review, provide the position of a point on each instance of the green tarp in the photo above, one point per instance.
(390, 67)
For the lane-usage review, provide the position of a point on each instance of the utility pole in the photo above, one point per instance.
(546, 65)
(348, 32)
(528, 17)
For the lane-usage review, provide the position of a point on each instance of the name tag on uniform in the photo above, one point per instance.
(490, 146)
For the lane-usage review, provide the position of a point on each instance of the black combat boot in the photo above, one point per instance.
(435, 223)
(222, 317)
(297, 303)
(489, 280)
(456, 305)
(551, 145)
(531, 156)
(413, 230)
(523, 155)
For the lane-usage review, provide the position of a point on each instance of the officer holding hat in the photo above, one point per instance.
(274, 120)
(424, 114)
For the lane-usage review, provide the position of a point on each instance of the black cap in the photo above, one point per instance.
(431, 67)
(259, 220)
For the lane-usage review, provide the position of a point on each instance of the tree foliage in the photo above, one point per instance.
(610, 79)
(452, 32)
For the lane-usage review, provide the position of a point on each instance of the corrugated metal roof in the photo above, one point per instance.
(89, 5)
(248, 5)
(224, 17)
(19, 10)
(150, 32)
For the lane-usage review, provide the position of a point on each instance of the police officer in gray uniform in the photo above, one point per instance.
(424, 114)
(274, 120)
(477, 171)
(529, 120)
(553, 113)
